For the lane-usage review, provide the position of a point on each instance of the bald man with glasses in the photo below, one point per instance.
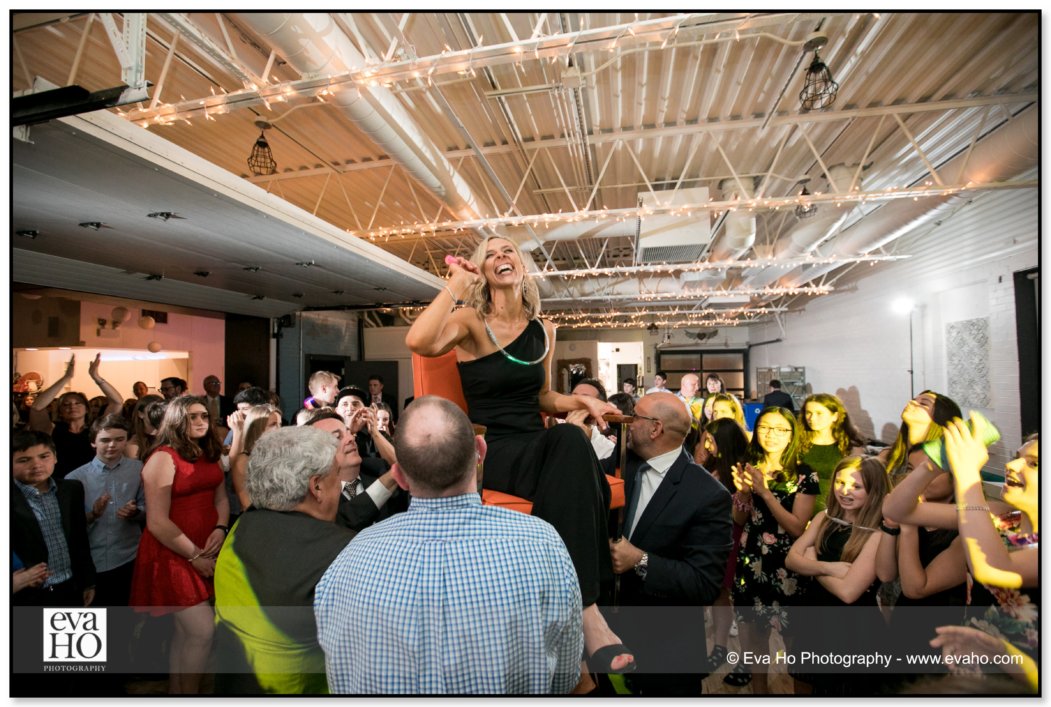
(672, 555)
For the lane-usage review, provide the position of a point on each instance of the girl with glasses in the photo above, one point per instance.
(774, 500)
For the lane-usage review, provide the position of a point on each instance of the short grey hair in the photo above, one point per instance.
(282, 462)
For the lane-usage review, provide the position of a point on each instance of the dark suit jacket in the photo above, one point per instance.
(27, 539)
(686, 529)
(779, 398)
(361, 511)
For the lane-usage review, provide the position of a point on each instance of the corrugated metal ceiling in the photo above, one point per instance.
(548, 118)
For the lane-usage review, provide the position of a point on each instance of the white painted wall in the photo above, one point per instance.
(853, 345)
(388, 344)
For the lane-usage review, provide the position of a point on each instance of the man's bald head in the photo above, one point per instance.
(650, 441)
(435, 447)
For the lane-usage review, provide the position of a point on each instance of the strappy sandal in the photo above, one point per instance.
(738, 677)
(716, 658)
(601, 661)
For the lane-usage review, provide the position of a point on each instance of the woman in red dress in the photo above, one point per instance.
(186, 515)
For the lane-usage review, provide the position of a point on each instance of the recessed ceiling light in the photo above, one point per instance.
(164, 215)
(93, 225)
(251, 268)
(154, 276)
(297, 295)
(28, 233)
(305, 263)
(202, 273)
(338, 292)
(258, 297)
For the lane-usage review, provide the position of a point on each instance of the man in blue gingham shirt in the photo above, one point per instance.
(450, 597)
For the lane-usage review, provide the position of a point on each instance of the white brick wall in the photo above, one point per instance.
(853, 345)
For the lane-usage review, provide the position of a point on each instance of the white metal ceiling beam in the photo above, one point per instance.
(546, 47)
(129, 44)
(715, 126)
(791, 201)
(210, 49)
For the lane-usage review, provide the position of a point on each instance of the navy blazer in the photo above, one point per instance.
(686, 529)
(27, 539)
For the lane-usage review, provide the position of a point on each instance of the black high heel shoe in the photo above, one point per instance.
(601, 661)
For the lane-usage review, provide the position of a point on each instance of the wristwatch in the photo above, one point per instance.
(643, 565)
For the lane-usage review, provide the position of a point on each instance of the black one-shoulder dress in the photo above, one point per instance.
(555, 468)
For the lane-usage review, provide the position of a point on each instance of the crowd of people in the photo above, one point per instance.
(349, 551)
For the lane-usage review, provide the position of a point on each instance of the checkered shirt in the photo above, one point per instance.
(452, 597)
(49, 517)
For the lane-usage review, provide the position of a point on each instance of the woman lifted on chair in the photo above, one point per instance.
(504, 353)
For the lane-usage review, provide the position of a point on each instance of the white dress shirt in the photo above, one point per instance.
(650, 480)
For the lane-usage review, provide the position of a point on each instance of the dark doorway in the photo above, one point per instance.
(627, 370)
(1027, 321)
(247, 352)
(358, 373)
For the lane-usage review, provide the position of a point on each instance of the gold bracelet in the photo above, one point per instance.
(196, 557)
(962, 507)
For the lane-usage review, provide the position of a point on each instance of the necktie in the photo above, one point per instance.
(633, 503)
(350, 489)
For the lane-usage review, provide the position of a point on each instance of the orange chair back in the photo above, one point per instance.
(438, 376)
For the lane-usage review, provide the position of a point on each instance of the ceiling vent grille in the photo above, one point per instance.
(674, 237)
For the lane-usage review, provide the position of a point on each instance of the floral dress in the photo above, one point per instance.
(1014, 615)
(762, 585)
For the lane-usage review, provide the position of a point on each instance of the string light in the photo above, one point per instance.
(420, 229)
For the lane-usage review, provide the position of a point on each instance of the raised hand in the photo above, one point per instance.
(236, 421)
(742, 479)
(757, 480)
(967, 454)
(93, 367)
(70, 367)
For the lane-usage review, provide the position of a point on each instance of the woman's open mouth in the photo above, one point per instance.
(504, 269)
(1014, 482)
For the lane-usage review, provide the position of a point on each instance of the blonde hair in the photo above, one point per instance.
(320, 378)
(256, 420)
(478, 296)
(874, 477)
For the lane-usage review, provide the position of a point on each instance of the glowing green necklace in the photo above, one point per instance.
(509, 357)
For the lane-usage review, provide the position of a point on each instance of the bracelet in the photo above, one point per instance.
(961, 507)
(456, 300)
(196, 557)
(888, 530)
(224, 528)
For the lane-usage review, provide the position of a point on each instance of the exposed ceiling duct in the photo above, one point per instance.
(1010, 151)
(314, 45)
(809, 233)
(738, 234)
(531, 238)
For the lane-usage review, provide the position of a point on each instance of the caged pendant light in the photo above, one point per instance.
(261, 160)
(805, 210)
(819, 88)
